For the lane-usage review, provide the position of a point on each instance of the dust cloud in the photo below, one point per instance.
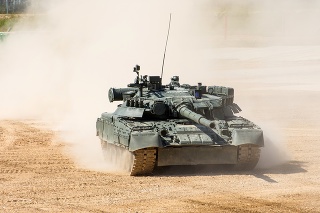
(60, 68)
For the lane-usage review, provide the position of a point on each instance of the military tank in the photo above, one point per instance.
(176, 124)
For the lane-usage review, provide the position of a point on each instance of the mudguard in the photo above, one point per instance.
(140, 140)
(247, 136)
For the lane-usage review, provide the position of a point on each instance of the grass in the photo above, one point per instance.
(7, 22)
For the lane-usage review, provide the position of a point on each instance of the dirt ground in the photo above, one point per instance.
(36, 175)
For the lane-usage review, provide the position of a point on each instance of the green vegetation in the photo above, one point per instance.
(7, 22)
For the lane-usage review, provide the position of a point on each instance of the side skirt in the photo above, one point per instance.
(197, 155)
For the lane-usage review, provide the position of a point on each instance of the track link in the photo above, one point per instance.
(248, 157)
(144, 161)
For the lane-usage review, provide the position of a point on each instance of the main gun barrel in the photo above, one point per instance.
(187, 113)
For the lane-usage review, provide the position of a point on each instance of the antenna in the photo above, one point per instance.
(165, 49)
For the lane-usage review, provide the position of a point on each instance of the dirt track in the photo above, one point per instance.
(36, 175)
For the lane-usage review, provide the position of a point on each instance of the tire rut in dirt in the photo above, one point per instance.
(28, 149)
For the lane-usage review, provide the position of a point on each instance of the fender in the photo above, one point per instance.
(140, 140)
(247, 136)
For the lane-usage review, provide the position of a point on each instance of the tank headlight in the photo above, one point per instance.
(163, 132)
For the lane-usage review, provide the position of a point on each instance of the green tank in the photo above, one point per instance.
(176, 124)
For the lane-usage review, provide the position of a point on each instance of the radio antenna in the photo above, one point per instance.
(165, 49)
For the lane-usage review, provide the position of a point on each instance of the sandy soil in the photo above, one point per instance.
(36, 175)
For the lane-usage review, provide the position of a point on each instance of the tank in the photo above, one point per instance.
(160, 125)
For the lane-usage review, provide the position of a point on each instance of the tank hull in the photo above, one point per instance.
(138, 147)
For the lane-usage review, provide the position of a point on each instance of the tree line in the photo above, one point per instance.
(14, 6)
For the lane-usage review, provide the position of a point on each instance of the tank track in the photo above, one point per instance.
(138, 163)
(144, 161)
(248, 157)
